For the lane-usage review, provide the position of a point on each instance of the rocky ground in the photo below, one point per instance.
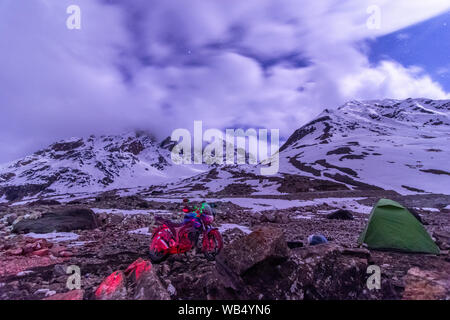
(274, 261)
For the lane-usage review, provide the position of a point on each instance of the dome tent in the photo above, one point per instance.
(392, 226)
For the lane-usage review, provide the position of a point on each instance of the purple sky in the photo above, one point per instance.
(160, 65)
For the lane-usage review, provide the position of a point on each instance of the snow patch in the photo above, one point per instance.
(228, 226)
(131, 212)
(141, 231)
(54, 236)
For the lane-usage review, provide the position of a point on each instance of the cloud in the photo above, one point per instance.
(160, 65)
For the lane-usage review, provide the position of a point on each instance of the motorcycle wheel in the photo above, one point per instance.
(212, 244)
(156, 256)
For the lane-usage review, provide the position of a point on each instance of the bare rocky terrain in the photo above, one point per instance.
(266, 254)
(91, 202)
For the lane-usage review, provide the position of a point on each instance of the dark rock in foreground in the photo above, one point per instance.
(260, 266)
(341, 215)
(62, 221)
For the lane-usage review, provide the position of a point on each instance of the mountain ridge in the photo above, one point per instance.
(376, 144)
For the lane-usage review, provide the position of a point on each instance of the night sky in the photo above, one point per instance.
(160, 65)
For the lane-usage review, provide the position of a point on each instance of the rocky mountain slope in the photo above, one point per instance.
(372, 145)
(266, 254)
(392, 144)
(385, 144)
(92, 164)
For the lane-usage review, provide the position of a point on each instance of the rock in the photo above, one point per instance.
(426, 285)
(268, 217)
(47, 292)
(43, 202)
(149, 287)
(323, 272)
(15, 252)
(116, 218)
(442, 239)
(11, 218)
(171, 289)
(41, 252)
(62, 221)
(356, 252)
(294, 244)
(263, 248)
(29, 248)
(112, 288)
(57, 249)
(60, 270)
(65, 254)
(70, 295)
(281, 218)
(253, 269)
(146, 284)
(137, 268)
(41, 244)
(341, 215)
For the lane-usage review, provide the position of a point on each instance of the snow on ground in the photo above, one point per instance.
(142, 231)
(131, 212)
(429, 209)
(61, 198)
(261, 204)
(228, 226)
(78, 243)
(308, 217)
(25, 200)
(54, 236)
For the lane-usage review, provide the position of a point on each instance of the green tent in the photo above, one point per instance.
(392, 226)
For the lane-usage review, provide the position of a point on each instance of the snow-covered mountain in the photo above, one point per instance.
(384, 144)
(397, 145)
(93, 164)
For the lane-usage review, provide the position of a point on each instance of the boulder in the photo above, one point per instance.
(57, 249)
(294, 244)
(260, 266)
(11, 218)
(137, 268)
(442, 239)
(327, 271)
(65, 254)
(341, 215)
(145, 282)
(41, 252)
(426, 285)
(61, 221)
(15, 252)
(70, 295)
(149, 287)
(268, 217)
(112, 288)
(137, 282)
(44, 202)
(264, 249)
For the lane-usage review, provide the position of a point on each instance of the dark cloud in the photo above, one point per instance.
(160, 65)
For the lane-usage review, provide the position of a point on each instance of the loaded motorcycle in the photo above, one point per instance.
(174, 238)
